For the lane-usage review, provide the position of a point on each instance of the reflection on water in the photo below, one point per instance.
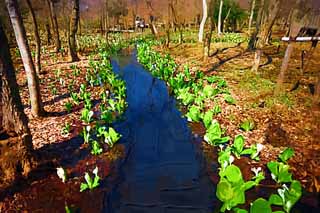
(162, 172)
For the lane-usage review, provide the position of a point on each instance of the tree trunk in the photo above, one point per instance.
(284, 67)
(204, 19)
(316, 98)
(253, 39)
(151, 18)
(16, 150)
(220, 18)
(225, 22)
(73, 31)
(253, 4)
(37, 60)
(54, 24)
(256, 61)
(20, 34)
(48, 32)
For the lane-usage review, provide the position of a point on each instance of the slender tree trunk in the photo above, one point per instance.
(54, 24)
(20, 34)
(253, 4)
(73, 31)
(225, 21)
(37, 60)
(284, 67)
(220, 18)
(48, 32)
(316, 98)
(16, 152)
(151, 18)
(204, 19)
(253, 39)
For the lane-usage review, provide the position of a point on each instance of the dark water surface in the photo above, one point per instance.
(163, 171)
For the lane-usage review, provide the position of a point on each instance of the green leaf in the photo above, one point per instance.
(208, 91)
(224, 190)
(194, 114)
(249, 184)
(291, 195)
(83, 187)
(247, 125)
(233, 174)
(238, 210)
(216, 109)
(207, 118)
(229, 99)
(279, 172)
(286, 154)
(238, 144)
(275, 199)
(273, 167)
(260, 205)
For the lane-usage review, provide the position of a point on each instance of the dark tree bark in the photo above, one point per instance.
(54, 24)
(73, 31)
(151, 18)
(16, 150)
(48, 32)
(37, 60)
(21, 37)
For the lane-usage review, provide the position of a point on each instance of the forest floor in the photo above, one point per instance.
(43, 191)
(290, 119)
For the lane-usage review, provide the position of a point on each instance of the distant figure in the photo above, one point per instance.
(140, 23)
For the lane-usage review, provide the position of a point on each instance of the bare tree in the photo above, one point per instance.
(204, 19)
(54, 24)
(299, 19)
(220, 18)
(16, 152)
(253, 5)
(37, 60)
(152, 18)
(20, 34)
(73, 31)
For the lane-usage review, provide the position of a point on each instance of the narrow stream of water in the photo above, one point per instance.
(163, 172)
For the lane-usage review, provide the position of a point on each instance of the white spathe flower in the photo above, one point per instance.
(95, 171)
(256, 170)
(231, 159)
(206, 139)
(62, 174)
(260, 147)
(221, 147)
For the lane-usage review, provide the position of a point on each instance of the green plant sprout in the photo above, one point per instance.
(247, 125)
(213, 135)
(194, 114)
(66, 129)
(229, 99)
(86, 134)
(231, 187)
(90, 183)
(286, 154)
(68, 106)
(110, 137)
(96, 148)
(75, 98)
(86, 115)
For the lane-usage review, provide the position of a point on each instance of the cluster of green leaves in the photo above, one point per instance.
(287, 195)
(231, 187)
(90, 183)
(230, 38)
(192, 90)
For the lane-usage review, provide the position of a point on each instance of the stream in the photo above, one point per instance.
(164, 170)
